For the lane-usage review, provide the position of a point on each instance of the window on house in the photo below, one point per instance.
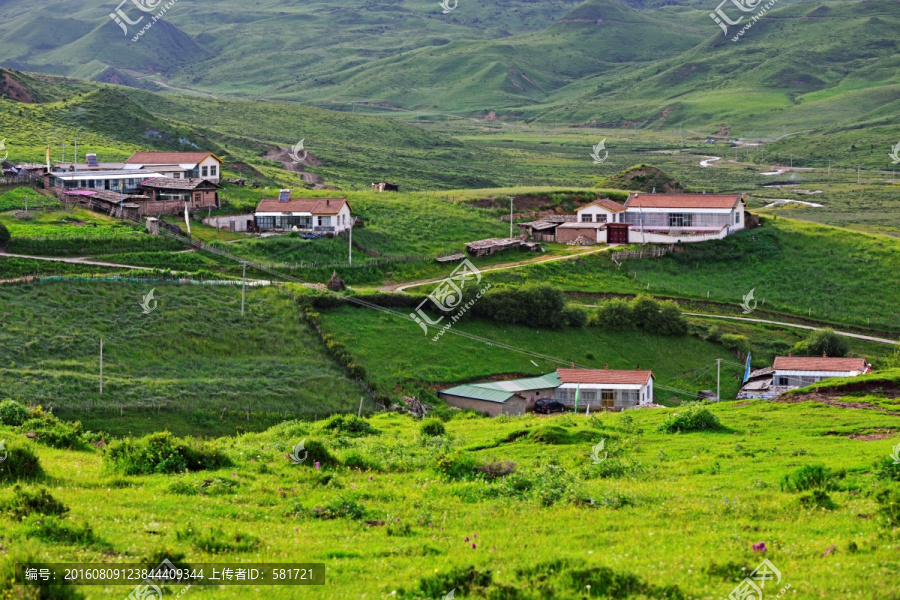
(325, 221)
(680, 219)
(601, 218)
(205, 171)
(737, 217)
(587, 218)
(212, 170)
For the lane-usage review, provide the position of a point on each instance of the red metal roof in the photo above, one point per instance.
(642, 200)
(604, 376)
(605, 203)
(169, 158)
(315, 206)
(820, 363)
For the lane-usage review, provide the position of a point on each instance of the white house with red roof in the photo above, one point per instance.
(792, 372)
(317, 215)
(611, 389)
(178, 165)
(600, 222)
(674, 218)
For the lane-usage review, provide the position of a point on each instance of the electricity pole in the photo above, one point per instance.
(351, 240)
(718, 379)
(101, 366)
(857, 174)
(510, 217)
(243, 288)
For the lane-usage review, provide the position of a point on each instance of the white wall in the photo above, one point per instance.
(594, 210)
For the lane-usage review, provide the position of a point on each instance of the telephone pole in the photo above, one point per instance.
(101, 366)
(510, 217)
(243, 288)
(718, 379)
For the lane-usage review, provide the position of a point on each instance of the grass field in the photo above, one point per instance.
(192, 355)
(670, 516)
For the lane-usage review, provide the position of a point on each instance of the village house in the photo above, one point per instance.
(512, 397)
(170, 196)
(178, 165)
(316, 215)
(597, 222)
(792, 372)
(676, 218)
(119, 181)
(607, 389)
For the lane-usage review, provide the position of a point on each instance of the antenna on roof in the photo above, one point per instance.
(654, 190)
(284, 195)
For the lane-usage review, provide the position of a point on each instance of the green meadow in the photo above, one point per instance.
(502, 508)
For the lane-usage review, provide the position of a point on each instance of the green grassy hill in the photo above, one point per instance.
(501, 508)
(190, 358)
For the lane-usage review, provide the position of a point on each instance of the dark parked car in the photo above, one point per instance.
(545, 406)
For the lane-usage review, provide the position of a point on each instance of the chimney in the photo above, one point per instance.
(654, 189)
(606, 366)
(851, 355)
(639, 367)
(789, 353)
(824, 355)
(327, 202)
(284, 195)
(573, 365)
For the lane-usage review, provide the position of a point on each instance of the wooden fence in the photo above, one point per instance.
(651, 252)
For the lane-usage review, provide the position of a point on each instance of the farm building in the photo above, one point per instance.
(123, 206)
(317, 215)
(178, 165)
(792, 372)
(169, 195)
(672, 218)
(609, 389)
(544, 230)
(119, 181)
(512, 397)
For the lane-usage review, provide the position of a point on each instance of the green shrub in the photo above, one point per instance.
(4, 235)
(12, 413)
(163, 453)
(808, 477)
(644, 311)
(52, 432)
(25, 502)
(696, 418)
(550, 434)
(614, 314)
(215, 540)
(58, 530)
(21, 462)
(533, 305)
(318, 453)
(887, 468)
(670, 320)
(342, 507)
(575, 316)
(818, 499)
(433, 428)
(350, 425)
(457, 466)
(739, 344)
(889, 507)
(553, 484)
(827, 342)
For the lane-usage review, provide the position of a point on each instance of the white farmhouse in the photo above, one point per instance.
(317, 215)
(799, 371)
(673, 218)
(610, 389)
(178, 165)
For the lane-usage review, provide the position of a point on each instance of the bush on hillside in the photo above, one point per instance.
(739, 344)
(21, 463)
(52, 432)
(25, 501)
(532, 305)
(350, 425)
(12, 413)
(433, 428)
(163, 453)
(696, 418)
(827, 342)
(808, 477)
(889, 507)
(888, 468)
(643, 312)
(575, 316)
(613, 314)
(4, 236)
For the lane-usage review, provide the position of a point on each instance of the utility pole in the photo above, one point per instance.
(361, 398)
(857, 174)
(792, 161)
(243, 288)
(101, 366)
(829, 166)
(75, 160)
(351, 241)
(718, 379)
(510, 217)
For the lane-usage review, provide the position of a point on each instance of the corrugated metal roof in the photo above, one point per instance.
(811, 363)
(479, 392)
(501, 391)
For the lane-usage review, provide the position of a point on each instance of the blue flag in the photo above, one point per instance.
(747, 370)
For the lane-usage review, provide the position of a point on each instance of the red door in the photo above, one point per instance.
(617, 235)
